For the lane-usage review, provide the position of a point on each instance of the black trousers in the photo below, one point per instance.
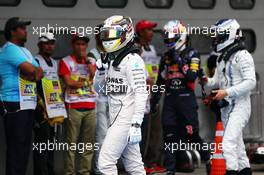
(144, 130)
(179, 112)
(43, 132)
(18, 132)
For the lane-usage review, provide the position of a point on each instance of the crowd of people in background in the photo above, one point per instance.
(38, 93)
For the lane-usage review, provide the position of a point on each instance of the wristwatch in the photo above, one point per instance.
(136, 125)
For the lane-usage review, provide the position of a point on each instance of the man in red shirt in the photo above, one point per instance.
(77, 72)
(152, 121)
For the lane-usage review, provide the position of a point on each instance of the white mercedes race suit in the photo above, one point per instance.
(237, 77)
(127, 96)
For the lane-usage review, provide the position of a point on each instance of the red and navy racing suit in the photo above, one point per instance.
(178, 72)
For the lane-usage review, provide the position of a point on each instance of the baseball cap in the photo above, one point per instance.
(47, 37)
(78, 36)
(15, 22)
(145, 24)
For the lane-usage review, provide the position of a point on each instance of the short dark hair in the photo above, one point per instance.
(8, 35)
(11, 24)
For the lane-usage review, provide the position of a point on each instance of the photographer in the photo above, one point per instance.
(102, 107)
(151, 145)
(77, 72)
(235, 77)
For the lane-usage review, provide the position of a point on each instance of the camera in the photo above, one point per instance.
(220, 103)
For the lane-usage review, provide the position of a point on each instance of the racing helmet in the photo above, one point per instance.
(116, 33)
(224, 33)
(174, 34)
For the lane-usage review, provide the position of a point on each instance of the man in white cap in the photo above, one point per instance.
(48, 108)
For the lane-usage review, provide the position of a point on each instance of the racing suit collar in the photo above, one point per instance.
(226, 54)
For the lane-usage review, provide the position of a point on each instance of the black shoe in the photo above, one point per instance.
(170, 173)
(231, 172)
(208, 167)
(245, 171)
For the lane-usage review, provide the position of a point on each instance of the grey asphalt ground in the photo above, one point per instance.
(258, 169)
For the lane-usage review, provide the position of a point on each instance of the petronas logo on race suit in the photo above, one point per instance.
(115, 80)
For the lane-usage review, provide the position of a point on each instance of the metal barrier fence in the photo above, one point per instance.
(254, 131)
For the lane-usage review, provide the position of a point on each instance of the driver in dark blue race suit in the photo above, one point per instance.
(179, 69)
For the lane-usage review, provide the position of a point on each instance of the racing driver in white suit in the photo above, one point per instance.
(235, 76)
(127, 95)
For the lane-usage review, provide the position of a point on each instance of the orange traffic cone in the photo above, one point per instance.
(218, 166)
